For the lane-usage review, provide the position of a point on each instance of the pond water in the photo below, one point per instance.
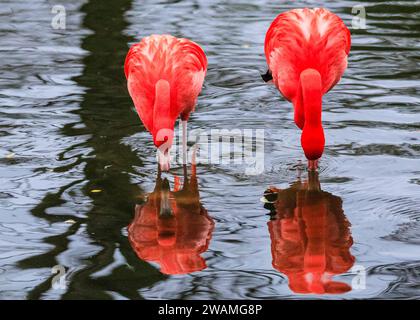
(77, 166)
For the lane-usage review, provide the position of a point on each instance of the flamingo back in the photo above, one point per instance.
(306, 38)
(179, 61)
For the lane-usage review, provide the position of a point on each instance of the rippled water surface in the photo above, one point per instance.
(76, 165)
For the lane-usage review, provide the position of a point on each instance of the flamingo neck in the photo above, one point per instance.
(311, 96)
(163, 124)
(312, 139)
(162, 105)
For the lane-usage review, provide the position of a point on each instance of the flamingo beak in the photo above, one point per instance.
(163, 141)
(164, 159)
(313, 142)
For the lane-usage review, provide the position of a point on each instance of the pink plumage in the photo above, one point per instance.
(164, 75)
(306, 52)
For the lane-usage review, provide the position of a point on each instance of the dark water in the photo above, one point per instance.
(76, 165)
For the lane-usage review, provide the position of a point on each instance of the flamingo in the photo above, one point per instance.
(165, 75)
(306, 52)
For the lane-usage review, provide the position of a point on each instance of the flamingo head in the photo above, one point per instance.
(313, 142)
(163, 136)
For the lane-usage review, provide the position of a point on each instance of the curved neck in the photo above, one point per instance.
(311, 90)
(162, 106)
(312, 138)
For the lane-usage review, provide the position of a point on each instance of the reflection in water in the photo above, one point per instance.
(310, 236)
(172, 228)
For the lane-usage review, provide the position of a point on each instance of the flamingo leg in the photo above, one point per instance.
(184, 142)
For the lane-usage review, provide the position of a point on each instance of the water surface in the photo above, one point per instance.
(76, 164)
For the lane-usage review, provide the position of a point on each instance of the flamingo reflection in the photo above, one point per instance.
(310, 236)
(172, 228)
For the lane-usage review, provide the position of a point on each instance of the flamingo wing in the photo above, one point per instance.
(306, 38)
(181, 62)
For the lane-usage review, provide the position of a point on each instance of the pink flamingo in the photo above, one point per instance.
(306, 51)
(165, 75)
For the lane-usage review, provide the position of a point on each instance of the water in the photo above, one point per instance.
(76, 165)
